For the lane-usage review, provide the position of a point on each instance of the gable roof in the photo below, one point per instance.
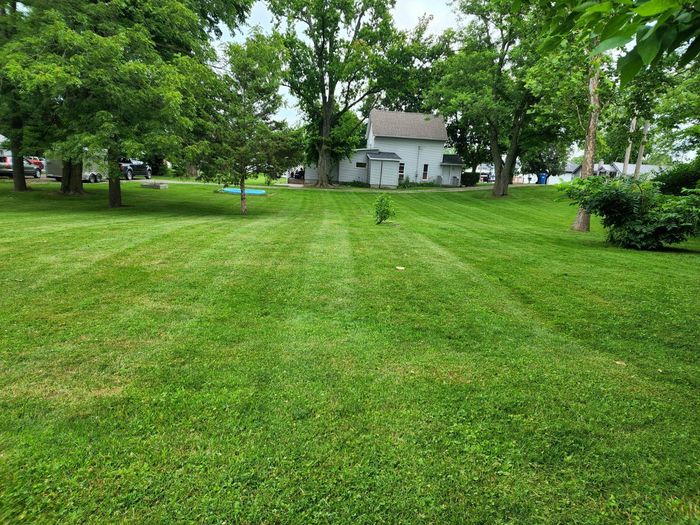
(643, 170)
(400, 124)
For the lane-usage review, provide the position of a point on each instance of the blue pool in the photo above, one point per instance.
(237, 191)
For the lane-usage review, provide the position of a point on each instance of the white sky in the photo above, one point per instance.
(406, 15)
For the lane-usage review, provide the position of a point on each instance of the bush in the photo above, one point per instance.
(470, 178)
(383, 209)
(635, 213)
(681, 177)
(406, 183)
(355, 184)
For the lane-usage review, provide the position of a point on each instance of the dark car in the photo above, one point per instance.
(134, 168)
(30, 170)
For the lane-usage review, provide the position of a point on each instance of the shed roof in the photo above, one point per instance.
(452, 159)
(383, 155)
(407, 125)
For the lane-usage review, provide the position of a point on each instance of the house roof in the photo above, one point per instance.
(452, 159)
(597, 167)
(643, 170)
(570, 167)
(407, 125)
(383, 155)
(616, 167)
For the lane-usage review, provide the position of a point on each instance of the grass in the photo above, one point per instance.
(172, 361)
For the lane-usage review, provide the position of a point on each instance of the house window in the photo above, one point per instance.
(425, 171)
(402, 166)
(360, 164)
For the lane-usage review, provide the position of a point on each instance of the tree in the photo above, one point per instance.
(678, 113)
(414, 56)
(12, 110)
(484, 81)
(244, 139)
(338, 57)
(112, 75)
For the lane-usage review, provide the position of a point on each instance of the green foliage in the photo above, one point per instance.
(470, 178)
(383, 209)
(354, 184)
(658, 27)
(337, 60)
(406, 183)
(241, 138)
(481, 89)
(635, 213)
(682, 176)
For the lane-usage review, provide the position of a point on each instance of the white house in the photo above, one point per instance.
(399, 145)
(616, 168)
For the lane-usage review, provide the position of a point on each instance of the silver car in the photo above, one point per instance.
(30, 170)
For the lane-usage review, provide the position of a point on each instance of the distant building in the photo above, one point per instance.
(616, 168)
(400, 146)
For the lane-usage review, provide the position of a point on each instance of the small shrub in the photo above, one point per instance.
(355, 184)
(681, 177)
(635, 213)
(406, 183)
(470, 178)
(383, 209)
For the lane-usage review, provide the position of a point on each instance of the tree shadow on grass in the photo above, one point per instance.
(202, 202)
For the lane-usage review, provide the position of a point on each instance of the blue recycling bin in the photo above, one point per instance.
(542, 178)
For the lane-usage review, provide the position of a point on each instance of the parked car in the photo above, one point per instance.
(38, 162)
(134, 168)
(30, 170)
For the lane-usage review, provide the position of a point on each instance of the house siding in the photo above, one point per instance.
(311, 174)
(348, 170)
(451, 175)
(383, 173)
(414, 153)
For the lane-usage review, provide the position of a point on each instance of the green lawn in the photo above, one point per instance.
(172, 361)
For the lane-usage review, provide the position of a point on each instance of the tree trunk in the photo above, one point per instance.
(324, 166)
(640, 153)
(244, 199)
(582, 223)
(628, 151)
(66, 174)
(114, 174)
(115, 192)
(495, 153)
(504, 176)
(325, 162)
(75, 187)
(20, 183)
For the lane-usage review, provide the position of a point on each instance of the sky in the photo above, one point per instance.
(406, 15)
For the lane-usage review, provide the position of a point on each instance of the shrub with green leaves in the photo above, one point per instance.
(470, 178)
(383, 209)
(682, 176)
(635, 213)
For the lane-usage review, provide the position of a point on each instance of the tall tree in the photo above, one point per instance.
(12, 114)
(114, 74)
(244, 139)
(338, 57)
(485, 80)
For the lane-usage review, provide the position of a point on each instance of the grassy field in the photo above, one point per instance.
(172, 361)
